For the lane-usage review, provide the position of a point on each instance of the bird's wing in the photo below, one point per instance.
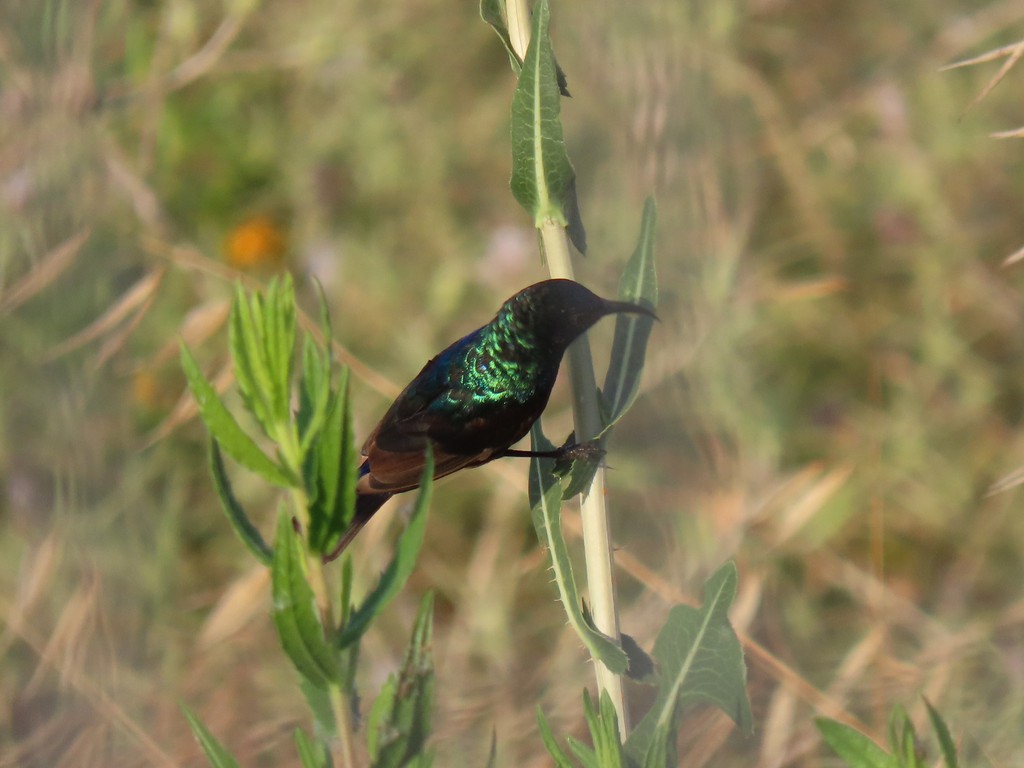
(397, 446)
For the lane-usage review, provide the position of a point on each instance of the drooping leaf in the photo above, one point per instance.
(856, 749)
(247, 532)
(701, 662)
(218, 756)
(638, 285)
(545, 502)
(226, 430)
(295, 612)
(542, 175)
(401, 565)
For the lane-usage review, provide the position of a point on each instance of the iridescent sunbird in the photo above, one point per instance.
(479, 396)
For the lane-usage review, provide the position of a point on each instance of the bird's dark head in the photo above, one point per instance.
(557, 311)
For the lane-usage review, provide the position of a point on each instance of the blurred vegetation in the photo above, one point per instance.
(837, 382)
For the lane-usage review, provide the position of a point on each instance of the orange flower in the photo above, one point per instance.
(256, 242)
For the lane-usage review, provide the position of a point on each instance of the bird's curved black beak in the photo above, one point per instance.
(616, 307)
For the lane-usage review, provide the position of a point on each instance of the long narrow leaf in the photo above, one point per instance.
(639, 285)
(545, 501)
(311, 753)
(401, 565)
(247, 532)
(225, 430)
(856, 749)
(946, 743)
(218, 756)
(550, 743)
(295, 614)
(251, 370)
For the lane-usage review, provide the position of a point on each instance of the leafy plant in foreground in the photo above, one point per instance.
(315, 462)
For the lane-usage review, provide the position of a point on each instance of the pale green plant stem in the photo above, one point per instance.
(288, 442)
(593, 509)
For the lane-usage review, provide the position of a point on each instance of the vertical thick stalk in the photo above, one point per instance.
(597, 546)
(594, 513)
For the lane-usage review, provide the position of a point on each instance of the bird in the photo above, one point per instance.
(479, 396)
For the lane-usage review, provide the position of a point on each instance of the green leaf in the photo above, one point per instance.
(604, 731)
(545, 502)
(225, 430)
(215, 753)
(853, 746)
(492, 755)
(658, 752)
(261, 335)
(402, 723)
(332, 473)
(701, 661)
(314, 393)
(946, 743)
(325, 727)
(638, 285)
(295, 613)
(495, 13)
(550, 743)
(247, 532)
(252, 371)
(401, 565)
(542, 175)
(312, 753)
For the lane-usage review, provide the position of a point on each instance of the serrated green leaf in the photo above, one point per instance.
(701, 662)
(295, 613)
(403, 726)
(401, 565)
(542, 175)
(312, 753)
(550, 743)
(945, 738)
(853, 746)
(638, 285)
(333, 473)
(248, 355)
(247, 532)
(545, 503)
(218, 756)
(314, 393)
(225, 430)
(280, 342)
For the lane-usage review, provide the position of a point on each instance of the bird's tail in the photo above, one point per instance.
(366, 505)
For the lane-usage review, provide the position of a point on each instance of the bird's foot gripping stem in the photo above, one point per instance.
(590, 452)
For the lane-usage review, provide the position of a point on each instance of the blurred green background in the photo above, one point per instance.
(837, 383)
